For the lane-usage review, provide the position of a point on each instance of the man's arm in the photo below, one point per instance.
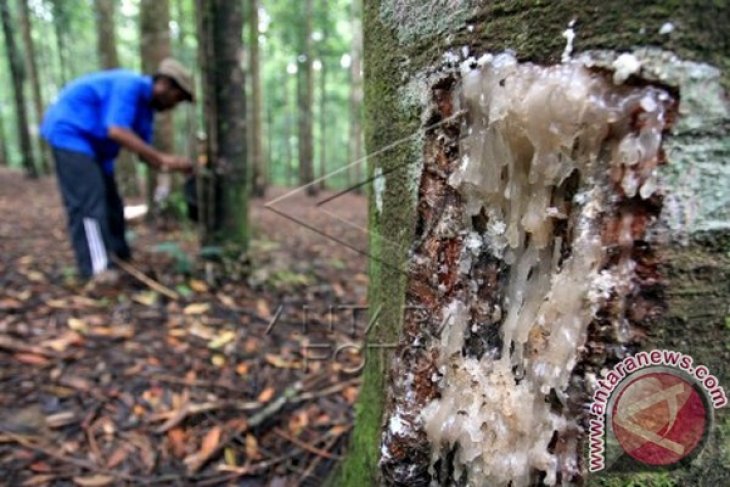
(155, 158)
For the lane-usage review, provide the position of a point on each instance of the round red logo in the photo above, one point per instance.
(659, 418)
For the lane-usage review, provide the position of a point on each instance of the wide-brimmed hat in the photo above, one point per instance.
(179, 74)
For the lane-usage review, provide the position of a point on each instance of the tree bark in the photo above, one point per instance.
(15, 62)
(154, 47)
(3, 144)
(32, 68)
(226, 178)
(356, 94)
(258, 167)
(106, 50)
(323, 56)
(60, 28)
(420, 221)
(305, 89)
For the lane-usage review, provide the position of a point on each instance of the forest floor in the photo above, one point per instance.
(246, 378)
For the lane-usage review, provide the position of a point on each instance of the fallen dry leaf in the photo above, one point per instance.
(207, 448)
(266, 394)
(196, 308)
(94, 480)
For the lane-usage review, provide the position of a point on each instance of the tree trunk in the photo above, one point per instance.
(289, 174)
(3, 144)
(106, 50)
(15, 62)
(226, 178)
(356, 94)
(304, 97)
(323, 56)
(257, 156)
(31, 66)
(106, 37)
(61, 28)
(155, 46)
(519, 246)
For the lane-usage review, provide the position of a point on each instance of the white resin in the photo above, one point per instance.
(528, 128)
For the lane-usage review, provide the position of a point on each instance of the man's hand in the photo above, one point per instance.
(171, 162)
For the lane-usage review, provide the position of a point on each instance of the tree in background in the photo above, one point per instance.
(305, 90)
(106, 49)
(258, 168)
(355, 152)
(223, 186)
(106, 36)
(31, 66)
(15, 61)
(62, 27)
(154, 21)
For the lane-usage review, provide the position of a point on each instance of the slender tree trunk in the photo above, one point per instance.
(106, 50)
(106, 37)
(356, 94)
(15, 62)
(323, 56)
(289, 169)
(305, 90)
(60, 29)
(155, 46)
(3, 144)
(220, 28)
(31, 66)
(498, 345)
(256, 135)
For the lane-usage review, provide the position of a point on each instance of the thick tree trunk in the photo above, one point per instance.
(15, 62)
(499, 343)
(305, 89)
(356, 94)
(155, 46)
(32, 69)
(226, 177)
(323, 56)
(258, 167)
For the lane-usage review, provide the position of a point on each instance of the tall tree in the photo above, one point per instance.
(17, 72)
(324, 17)
(3, 142)
(224, 182)
(106, 50)
(305, 89)
(258, 167)
(106, 36)
(500, 345)
(155, 46)
(31, 66)
(61, 27)
(356, 95)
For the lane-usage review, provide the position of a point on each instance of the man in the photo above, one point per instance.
(93, 117)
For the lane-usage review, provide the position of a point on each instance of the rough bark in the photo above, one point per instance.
(305, 90)
(258, 167)
(355, 152)
(226, 177)
(409, 85)
(31, 65)
(17, 73)
(155, 46)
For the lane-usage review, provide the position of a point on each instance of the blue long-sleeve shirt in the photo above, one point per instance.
(88, 106)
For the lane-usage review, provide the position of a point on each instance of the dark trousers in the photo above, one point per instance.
(95, 211)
